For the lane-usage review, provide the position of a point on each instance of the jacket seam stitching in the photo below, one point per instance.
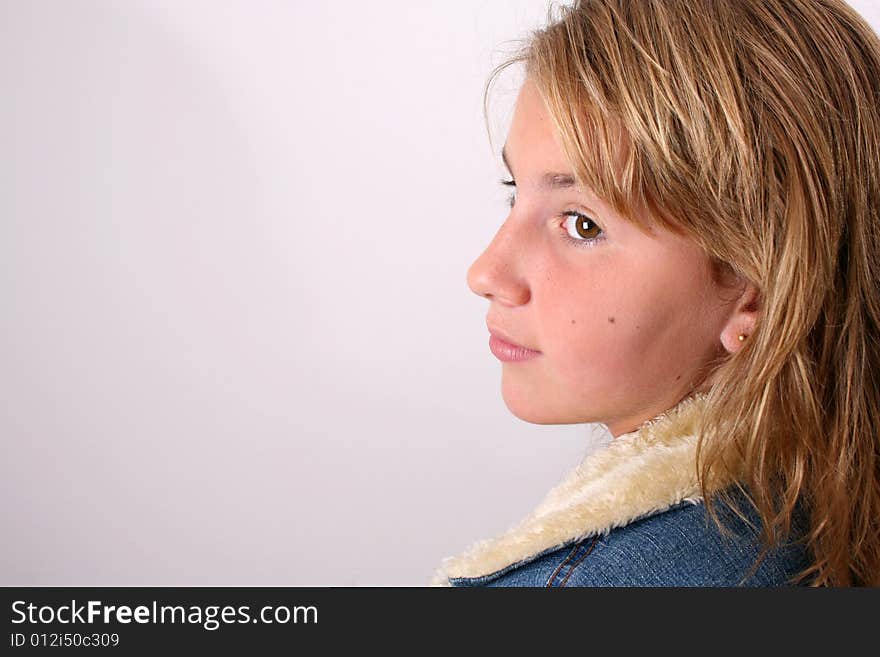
(561, 565)
(576, 563)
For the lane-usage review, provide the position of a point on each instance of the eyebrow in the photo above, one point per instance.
(548, 180)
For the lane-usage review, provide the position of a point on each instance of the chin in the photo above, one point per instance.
(534, 408)
(534, 412)
(533, 418)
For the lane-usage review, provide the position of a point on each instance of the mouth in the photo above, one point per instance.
(506, 350)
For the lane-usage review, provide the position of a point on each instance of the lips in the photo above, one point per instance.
(506, 349)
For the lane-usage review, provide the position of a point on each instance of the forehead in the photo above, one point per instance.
(532, 130)
(536, 158)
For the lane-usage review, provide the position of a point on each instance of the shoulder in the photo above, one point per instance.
(681, 546)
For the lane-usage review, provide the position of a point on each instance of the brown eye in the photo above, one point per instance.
(581, 228)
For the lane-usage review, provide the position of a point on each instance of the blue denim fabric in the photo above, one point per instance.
(678, 547)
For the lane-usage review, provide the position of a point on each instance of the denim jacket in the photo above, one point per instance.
(631, 514)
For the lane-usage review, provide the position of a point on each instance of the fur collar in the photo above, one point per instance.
(637, 474)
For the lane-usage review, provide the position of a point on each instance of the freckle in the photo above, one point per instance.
(573, 322)
(611, 320)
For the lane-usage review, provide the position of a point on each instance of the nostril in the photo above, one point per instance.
(477, 280)
(497, 277)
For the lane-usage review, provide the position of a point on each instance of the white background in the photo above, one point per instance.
(237, 345)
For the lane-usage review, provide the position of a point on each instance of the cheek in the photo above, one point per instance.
(592, 336)
(613, 333)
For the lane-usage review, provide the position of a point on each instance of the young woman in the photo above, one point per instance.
(692, 258)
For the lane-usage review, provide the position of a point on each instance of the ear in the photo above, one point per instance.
(743, 317)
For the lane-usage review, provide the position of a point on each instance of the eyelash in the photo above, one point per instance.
(584, 242)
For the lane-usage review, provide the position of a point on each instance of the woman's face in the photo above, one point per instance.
(623, 320)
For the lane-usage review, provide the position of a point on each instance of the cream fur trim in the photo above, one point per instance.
(637, 474)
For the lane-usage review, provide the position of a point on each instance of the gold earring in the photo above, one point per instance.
(742, 337)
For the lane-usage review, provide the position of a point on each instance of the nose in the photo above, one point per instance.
(497, 274)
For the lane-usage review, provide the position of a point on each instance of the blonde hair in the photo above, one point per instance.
(753, 127)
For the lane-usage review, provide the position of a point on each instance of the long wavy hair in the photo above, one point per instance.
(752, 126)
